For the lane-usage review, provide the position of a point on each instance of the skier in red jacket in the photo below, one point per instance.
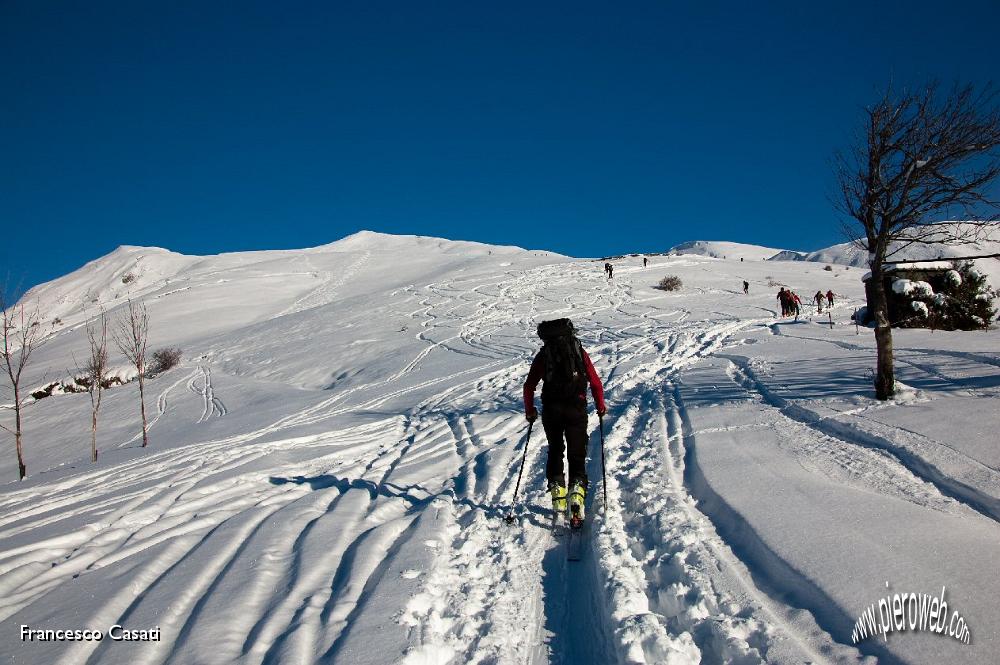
(565, 370)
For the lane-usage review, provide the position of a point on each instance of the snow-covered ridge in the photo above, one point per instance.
(723, 249)
(154, 272)
(373, 240)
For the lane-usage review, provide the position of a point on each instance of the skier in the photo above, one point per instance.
(565, 369)
(644, 261)
(819, 301)
(611, 271)
(794, 304)
(746, 287)
(783, 298)
(607, 268)
(829, 298)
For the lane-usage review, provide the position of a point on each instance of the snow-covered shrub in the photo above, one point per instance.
(80, 383)
(908, 287)
(119, 376)
(963, 301)
(163, 359)
(670, 283)
(969, 303)
(44, 391)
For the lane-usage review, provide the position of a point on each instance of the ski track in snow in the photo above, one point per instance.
(330, 284)
(201, 384)
(300, 531)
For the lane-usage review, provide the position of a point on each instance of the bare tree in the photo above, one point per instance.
(922, 157)
(94, 372)
(131, 336)
(21, 337)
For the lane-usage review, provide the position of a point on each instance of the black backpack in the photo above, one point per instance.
(565, 374)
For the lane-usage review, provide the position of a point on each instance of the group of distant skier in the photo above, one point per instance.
(609, 269)
(791, 303)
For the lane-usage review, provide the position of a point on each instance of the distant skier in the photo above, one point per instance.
(565, 370)
(794, 304)
(611, 271)
(829, 298)
(785, 299)
(746, 287)
(644, 261)
(607, 268)
(819, 301)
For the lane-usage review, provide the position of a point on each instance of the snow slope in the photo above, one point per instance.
(723, 249)
(849, 254)
(330, 465)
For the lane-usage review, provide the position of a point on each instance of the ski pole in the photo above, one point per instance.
(604, 474)
(524, 456)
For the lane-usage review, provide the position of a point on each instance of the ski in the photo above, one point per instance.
(558, 523)
(574, 545)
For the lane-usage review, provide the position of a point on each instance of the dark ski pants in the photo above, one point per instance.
(566, 430)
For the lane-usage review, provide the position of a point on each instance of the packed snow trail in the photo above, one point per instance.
(342, 500)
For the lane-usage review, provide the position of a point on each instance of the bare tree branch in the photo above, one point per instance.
(95, 372)
(131, 337)
(21, 336)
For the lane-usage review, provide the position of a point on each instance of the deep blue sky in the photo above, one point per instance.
(583, 127)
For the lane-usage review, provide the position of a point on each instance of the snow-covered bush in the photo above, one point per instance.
(963, 301)
(968, 304)
(908, 287)
(80, 383)
(670, 283)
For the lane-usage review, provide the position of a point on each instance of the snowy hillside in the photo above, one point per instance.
(849, 254)
(721, 249)
(330, 465)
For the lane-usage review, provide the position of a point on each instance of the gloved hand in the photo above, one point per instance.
(531, 416)
(601, 410)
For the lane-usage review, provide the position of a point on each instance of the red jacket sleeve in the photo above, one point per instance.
(596, 389)
(534, 376)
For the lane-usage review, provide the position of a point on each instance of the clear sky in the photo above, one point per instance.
(587, 128)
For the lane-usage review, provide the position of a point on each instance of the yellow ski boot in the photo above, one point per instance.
(577, 495)
(558, 493)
